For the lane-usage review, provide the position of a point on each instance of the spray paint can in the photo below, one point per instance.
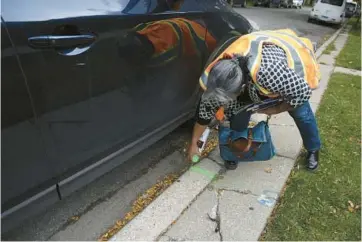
(201, 143)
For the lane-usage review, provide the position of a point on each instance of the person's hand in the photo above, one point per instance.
(193, 150)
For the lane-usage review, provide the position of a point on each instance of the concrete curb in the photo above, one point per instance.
(155, 219)
(165, 209)
(320, 50)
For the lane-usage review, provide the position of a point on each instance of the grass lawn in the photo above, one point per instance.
(325, 205)
(350, 56)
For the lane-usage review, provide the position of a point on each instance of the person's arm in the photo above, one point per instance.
(197, 132)
(205, 112)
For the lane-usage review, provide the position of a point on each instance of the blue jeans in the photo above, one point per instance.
(304, 119)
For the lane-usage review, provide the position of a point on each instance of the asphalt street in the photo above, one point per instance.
(295, 19)
(142, 171)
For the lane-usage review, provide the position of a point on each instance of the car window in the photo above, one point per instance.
(158, 6)
(137, 7)
(54, 9)
(333, 2)
(350, 6)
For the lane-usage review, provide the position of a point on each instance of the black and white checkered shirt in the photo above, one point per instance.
(273, 75)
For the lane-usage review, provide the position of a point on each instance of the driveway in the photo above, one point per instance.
(74, 217)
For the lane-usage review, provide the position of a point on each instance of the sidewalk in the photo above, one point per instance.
(210, 203)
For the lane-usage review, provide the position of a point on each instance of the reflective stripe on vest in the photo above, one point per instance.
(300, 56)
(176, 37)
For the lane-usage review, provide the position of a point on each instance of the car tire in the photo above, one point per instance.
(310, 20)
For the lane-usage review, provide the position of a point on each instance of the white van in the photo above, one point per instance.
(330, 11)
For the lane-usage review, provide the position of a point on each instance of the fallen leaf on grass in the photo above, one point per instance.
(351, 204)
(352, 208)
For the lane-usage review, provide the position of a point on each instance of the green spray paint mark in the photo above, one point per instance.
(204, 172)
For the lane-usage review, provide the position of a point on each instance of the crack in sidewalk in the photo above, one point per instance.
(218, 217)
(217, 163)
(221, 171)
(243, 192)
(288, 157)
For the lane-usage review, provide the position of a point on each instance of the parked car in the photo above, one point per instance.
(87, 84)
(358, 11)
(241, 3)
(329, 11)
(297, 3)
(286, 3)
(267, 3)
(351, 8)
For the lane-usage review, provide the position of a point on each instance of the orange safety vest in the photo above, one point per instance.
(173, 38)
(299, 51)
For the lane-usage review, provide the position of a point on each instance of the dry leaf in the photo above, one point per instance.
(75, 218)
(141, 202)
(351, 204)
(350, 209)
(268, 169)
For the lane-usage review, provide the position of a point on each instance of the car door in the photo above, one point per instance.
(52, 51)
(140, 95)
(91, 100)
(25, 168)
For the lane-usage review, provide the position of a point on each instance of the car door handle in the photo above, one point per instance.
(61, 41)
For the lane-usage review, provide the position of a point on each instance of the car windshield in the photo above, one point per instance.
(333, 2)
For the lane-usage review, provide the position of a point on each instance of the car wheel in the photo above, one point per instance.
(310, 20)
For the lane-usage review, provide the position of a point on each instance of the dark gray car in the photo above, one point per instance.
(85, 82)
